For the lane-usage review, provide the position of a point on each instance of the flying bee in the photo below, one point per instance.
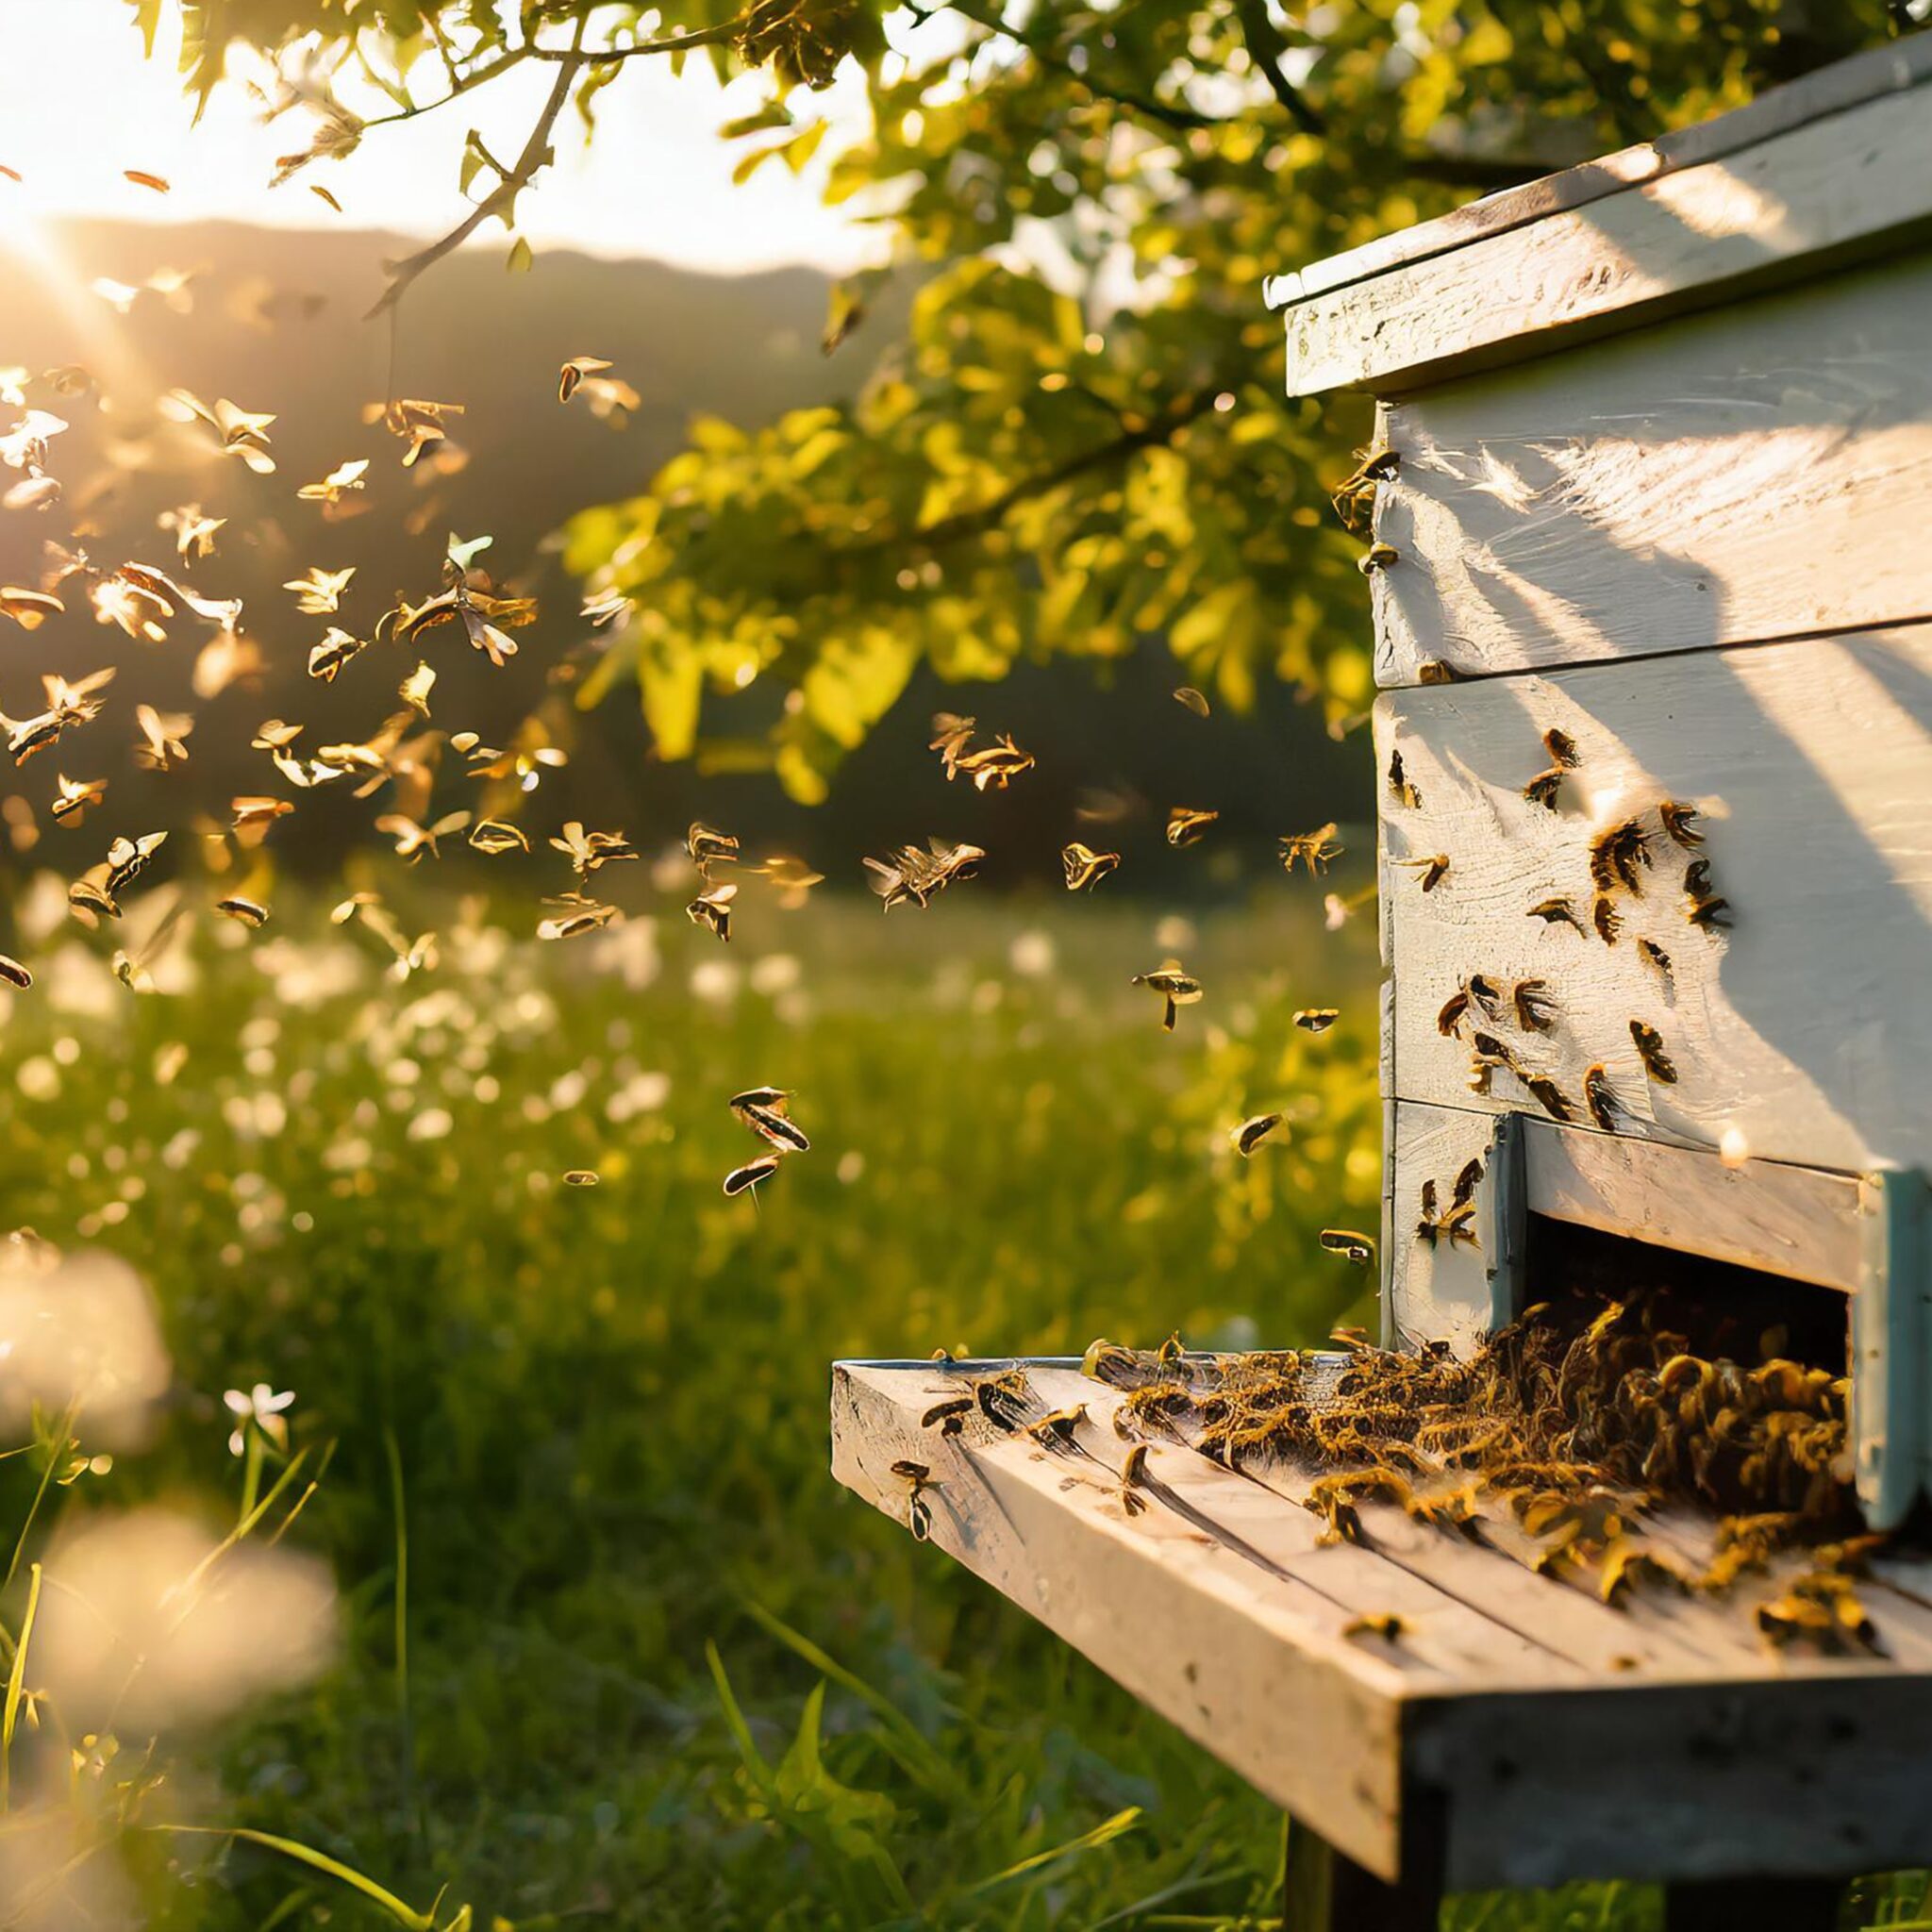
(951, 735)
(88, 902)
(1400, 790)
(1550, 1097)
(772, 1124)
(582, 916)
(1650, 1050)
(1600, 1098)
(248, 912)
(1251, 1133)
(1357, 1250)
(67, 704)
(1376, 556)
(912, 874)
(1615, 855)
(948, 1417)
(997, 764)
(1086, 867)
(1680, 823)
(751, 1173)
(1178, 988)
(162, 744)
(1606, 918)
(1434, 869)
(708, 848)
(14, 974)
(589, 851)
(1459, 1222)
(582, 1177)
(777, 1099)
(1656, 958)
(127, 858)
(1312, 849)
(918, 1478)
(326, 660)
(1185, 824)
(713, 910)
(493, 836)
(1317, 1019)
(133, 969)
(413, 839)
(1558, 912)
(78, 797)
(1191, 700)
(1535, 1010)
(1353, 497)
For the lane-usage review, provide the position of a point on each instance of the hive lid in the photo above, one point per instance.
(1828, 169)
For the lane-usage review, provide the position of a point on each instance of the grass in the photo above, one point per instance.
(650, 1666)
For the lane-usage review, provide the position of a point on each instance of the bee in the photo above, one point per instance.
(1387, 1625)
(493, 836)
(29, 608)
(582, 1177)
(1543, 788)
(132, 968)
(1178, 988)
(708, 848)
(1251, 1133)
(67, 704)
(1357, 1250)
(1312, 849)
(948, 1417)
(1185, 824)
(1484, 991)
(776, 1098)
(1003, 1400)
(1599, 1097)
(1494, 1049)
(1173, 1352)
(951, 735)
(1433, 869)
(1455, 1011)
(1376, 556)
(413, 841)
(998, 764)
(1710, 914)
(1697, 879)
(339, 648)
(1615, 855)
(1437, 671)
(1458, 1223)
(1558, 912)
(1535, 1011)
(1191, 700)
(910, 874)
(588, 850)
(1650, 1050)
(1317, 1019)
(162, 742)
(713, 910)
(918, 1478)
(1086, 867)
(14, 974)
(1482, 1067)
(1680, 823)
(751, 1173)
(1059, 1428)
(1353, 497)
(584, 916)
(1550, 1097)
(1562, 749)
(88, 902)
(78, 797)
(1606, 918)
(248, 912)
(1656, 958)
(1133, 1476)
(1400, 790)
(127, 858)
(768, 1119)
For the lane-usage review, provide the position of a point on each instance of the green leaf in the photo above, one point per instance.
(520, 259)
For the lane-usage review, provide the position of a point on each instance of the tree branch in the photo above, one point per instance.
(1265, 48)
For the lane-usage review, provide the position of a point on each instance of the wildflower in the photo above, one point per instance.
(262, 1407)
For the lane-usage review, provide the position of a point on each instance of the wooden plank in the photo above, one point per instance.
(1830, 90)
(1642, 500)
(1436, 1292)
(1804, 1031)
(1817, 196)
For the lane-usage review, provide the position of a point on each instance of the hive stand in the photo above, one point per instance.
(1662, 473)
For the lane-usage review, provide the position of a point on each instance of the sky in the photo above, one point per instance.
(79, 103)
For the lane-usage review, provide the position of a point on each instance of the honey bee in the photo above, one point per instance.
(161, 745)
(1058, 1429)
(88, 902)
(1312, 849)
(1133, 1476)
(413, 841)
(76, 799)
(708, 848)
(1606, 918)
(1434, 869)
(1189, 699)
(1558, 912)
(1484, 991)
(918, 1478)
(1376, 556)
(1680, 823)
(1400, 790)
(1455, 1011)
(1655, 957)
(1353, 497)
(1251, 1133)
(1616, 854)
(1387, 1625)
(1543, 788)
(339, 648)
(750, 1175)
(1178, 988)
(1317, 1019)
(1357, 1250)
(1491, 1048)
(948, 1417)
(1551, 1097)
(910, 874)
(127, 858)
(67, 704)
(1458, 1223)
(1086, 867)
(1600, 1098)
(590, 850)
(1185, 824)
(997, 764)
(713, 910)
(582, 1177)
(1650, 1050)
(1003, 1400)
(1562, 749)
(951, 735)
(1708, 914)
(765, 1111)
(493, 836)
(14, 974)
(248, 912)
(581, 916)
(1535, 1011)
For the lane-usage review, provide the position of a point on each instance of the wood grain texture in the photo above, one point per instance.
(1852, 183)
(1830, 90)
(1805, 1030)
(1648, 497)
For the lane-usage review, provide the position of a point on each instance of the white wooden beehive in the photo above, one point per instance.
(1662, 445)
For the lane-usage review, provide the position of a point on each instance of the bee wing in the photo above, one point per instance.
(1466, 1183)
(1429, 1198)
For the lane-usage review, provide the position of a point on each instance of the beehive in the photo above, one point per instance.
(1657, 473)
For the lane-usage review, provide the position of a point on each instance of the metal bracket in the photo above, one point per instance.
(1890, 1334)
(1506, 1219)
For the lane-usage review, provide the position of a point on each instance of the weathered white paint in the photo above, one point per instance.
(1687, 238)
(1756, 473)
(1807, 1028)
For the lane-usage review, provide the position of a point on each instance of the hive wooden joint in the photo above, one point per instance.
(1889, 1333)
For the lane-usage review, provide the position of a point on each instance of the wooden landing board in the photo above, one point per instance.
(1544, 1734)
(1805, 1028)
(1643, 499)
(1794, 203)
